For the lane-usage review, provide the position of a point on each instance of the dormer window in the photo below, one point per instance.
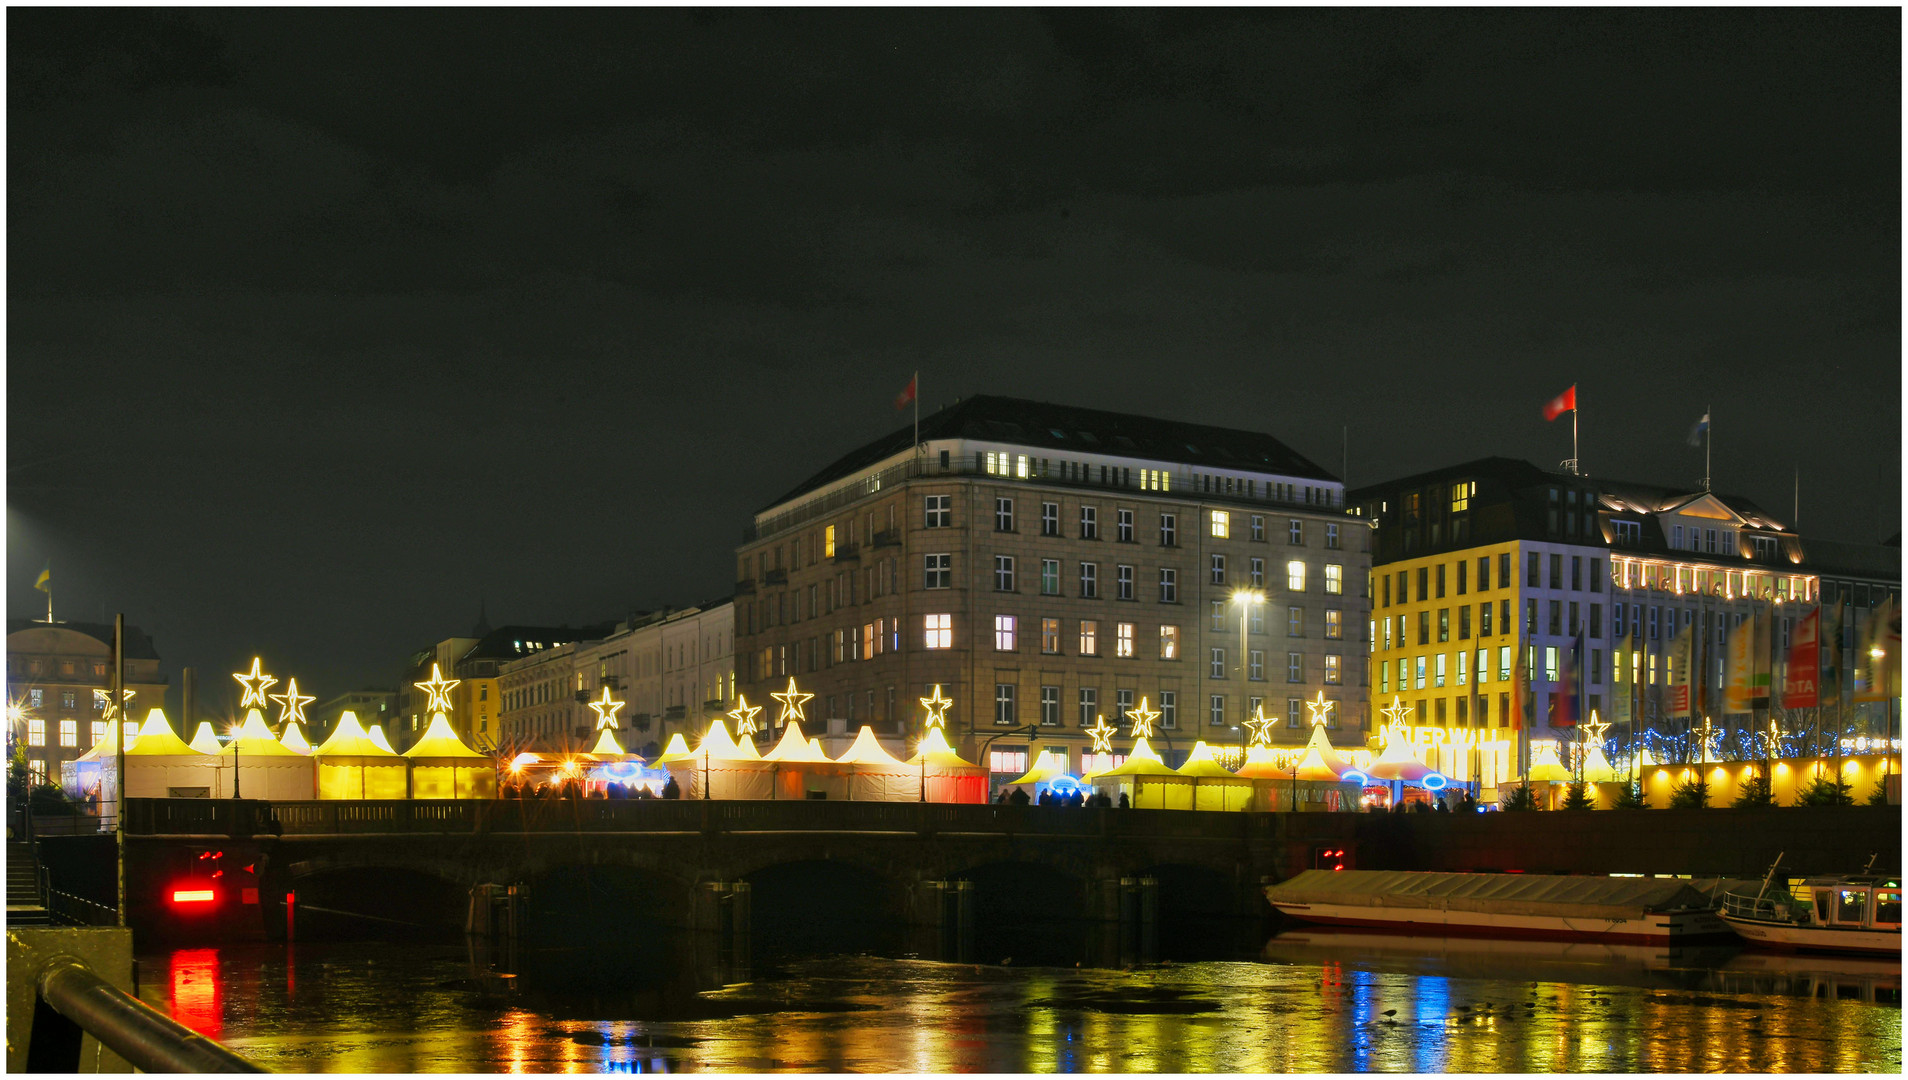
(1765, 548)
(1628, 533)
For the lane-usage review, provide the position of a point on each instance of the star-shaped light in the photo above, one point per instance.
(1260, 725)
(605, 710)
(1142, 718)
(292, 703)
(744, 715)
(1707, 734)
(1102, 735)
(1398, 714)
(791, 700)
(108, 710)
(1593, 731)
(439, 688)
(255, 683)
(937, 707)
(1775, 737)
(1320, 709)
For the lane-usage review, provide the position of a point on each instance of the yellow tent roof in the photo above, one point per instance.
(1045, 768)
(1312, 767)
(677, 750)
(866, 750)
(205, 740)
(104, 747)
(1259, 763)
(1141, 761)
(938, 753)
(793, 747)
(1597, 768)
(1545, 768)
(257, 740)
(376, 735)
(439, 741)
(156, 737)
(294, 738)
(716, 745)
(1327, 753)
(607, 746)
(1201, 763)
(348, 739)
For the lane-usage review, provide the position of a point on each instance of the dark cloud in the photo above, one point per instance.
(325, 323)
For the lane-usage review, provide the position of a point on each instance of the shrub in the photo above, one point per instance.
(1879, 796)
(1690, 795)
(1830, 790)
(1577, 797)
(1755, 792)
(1630, 798)
(1519, 798)
(49, 799)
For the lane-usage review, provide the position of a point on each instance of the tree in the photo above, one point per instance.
(49, 799)
(1879, 796)
(1829, 790)
(17, 770)
(1755, 792)
(1577, 797)
(1690, 794)
(1630, 798)
(1520, 798)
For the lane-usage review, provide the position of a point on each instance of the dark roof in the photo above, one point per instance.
(1839, 558)
(500, 644)
(138, 645)
(1081, 430)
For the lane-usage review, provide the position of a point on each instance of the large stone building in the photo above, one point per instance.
(1049, 565)
(1475, 562)
(58, 676)
(474, 661)
(673, 669)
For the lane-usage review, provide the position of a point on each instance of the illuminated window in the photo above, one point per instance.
(828, 542)
(1461, 493)
(69, 733)
(1021, 468)
(1169, 643)
(1006, 633)
(1503, 663)
(1417, 664)
(1550, 663)
(36, 733)
(1334, 579)
(940, 631)
(36, 770)
(1123, 639)
(1221, 524)
(1384, 677)
(1295, 575)
(868, 641)
(999, 463)
(1335, 623)
(1437, 671)
(1092, 763)
(1089, 637)
(1168, 586)
(1156, 480)
(1332, 661)
(1050, 635)
(99, 732)
(1011, 762)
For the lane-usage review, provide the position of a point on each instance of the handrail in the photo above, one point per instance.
(147, 1038)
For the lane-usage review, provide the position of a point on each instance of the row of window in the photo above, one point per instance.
(35, 697)
(1219, 708)
(1219, 523)
(1009, 465)
(68, 732)
(937, 572)
(1555, 617)
(34, 665)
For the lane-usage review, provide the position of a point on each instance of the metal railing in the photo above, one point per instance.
(148, 1039)
(69, 910)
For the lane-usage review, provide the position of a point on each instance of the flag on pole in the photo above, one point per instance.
(1832, 660)
(1676, 676)
(1696, 433)
(44, 582)
(1878, 656)
(1563, 704)
(1562, 403)
(1799, 687)
(906, 395)
(1739, 668)
(1520, 691)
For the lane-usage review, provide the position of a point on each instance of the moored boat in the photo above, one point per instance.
(1617, 910)
(1849, 913)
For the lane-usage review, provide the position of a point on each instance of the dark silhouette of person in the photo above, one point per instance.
(1124, 804)
(672, 790)
(1019, 797)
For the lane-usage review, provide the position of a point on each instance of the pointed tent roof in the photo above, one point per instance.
(866, 750)
(815, 745)
(1259, 765)
(104, 747)
(156, 737)
(1597, 768)
(377, 737)
(793, 747)
(1313, 767)
(1045, 767)
(677, 750)
(256, 740)
(294, 738)
(1201, 763)
(1545, 768)
(348, 739)
(607, 746)
(1141, 761)
(439, 741)
(1398, 763)
(937, 753)
(1328, 754)
(205, 740)
(716, 743)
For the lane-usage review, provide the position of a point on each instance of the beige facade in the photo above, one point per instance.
(57, 679)
(1043, 591)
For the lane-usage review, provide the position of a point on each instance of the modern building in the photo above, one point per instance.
(673, 669)
(58, 678)
(1048, 565)
(1477, 563)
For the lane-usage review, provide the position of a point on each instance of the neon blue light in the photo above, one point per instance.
(1434, 782)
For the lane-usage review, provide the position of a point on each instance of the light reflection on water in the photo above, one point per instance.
(1306, 1003)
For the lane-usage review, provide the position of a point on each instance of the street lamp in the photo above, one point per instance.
(1247, 599)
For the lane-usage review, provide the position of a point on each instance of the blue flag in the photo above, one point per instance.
(1696, 433)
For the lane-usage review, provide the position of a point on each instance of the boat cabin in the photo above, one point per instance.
(1855, 902)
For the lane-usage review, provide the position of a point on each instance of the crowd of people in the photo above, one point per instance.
(573, 789)
(1018, 797)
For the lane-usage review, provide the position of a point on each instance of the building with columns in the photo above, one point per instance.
(1049, 565)
(58, 676)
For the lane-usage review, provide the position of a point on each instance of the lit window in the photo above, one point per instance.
(1461, 493)
(69, 733)
(1221, 524)
(99, 731)
(36, 733)
(828, 542)
(1093, 763)
(1006, 633)
(1123, 639)
(1011, 762)
(1334, 579)
(940, 631)
(1089, 637)
(1295, 575)
(1169, 643)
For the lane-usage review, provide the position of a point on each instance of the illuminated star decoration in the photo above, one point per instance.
(1320, 709)
(937, 707)
(1142, 718)
(791, 700)
(1593, 731)
(439, 688)
(1260, 725)
(1102, 735)
(744, 715)
(255, 684)
(1397, 714)
(292, 703)
(605, 710)
(1707, 734)
(1775, 738)
(108, 710)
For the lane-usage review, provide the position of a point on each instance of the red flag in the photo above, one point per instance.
(1562, 403)
(1800, 689)
(1563, 704)
(906, 395)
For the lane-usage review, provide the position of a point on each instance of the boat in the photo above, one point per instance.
(1849, 913)
(1612, 910)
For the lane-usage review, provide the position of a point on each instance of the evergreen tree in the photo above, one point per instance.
(1630, 798)
(1690, 795)
(1829, 790)
(1755, 792)
(1879, 796)
(1520, 797)
(1577, 797)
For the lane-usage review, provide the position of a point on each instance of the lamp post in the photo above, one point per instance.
(1247, 599)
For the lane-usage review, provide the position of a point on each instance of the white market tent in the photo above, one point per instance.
(719, 769)
(160, 765)
(351, 766)
(267, 769)
(801, 770)
(377, 736)
(293, 738)
(1214, 787)
(949, 777)
(1145, 780)
(206, 741)
(442, 767)
(876, 775)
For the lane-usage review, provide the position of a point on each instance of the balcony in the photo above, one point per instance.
(775, 577)
(847, 553)
(745, 587)
(887, 538)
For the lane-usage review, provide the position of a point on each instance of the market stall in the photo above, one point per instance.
(442, 767)
(351, 766)
(1146, 781)
(1214, 787)
(948, 777)
(874, 775)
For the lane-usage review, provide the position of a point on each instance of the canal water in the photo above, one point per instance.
(1057, 998)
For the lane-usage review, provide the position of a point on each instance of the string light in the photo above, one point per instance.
(937, 707)
(255, 683)
(439, 688)
(605, 710)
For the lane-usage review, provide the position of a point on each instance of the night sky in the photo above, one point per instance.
(326, 326)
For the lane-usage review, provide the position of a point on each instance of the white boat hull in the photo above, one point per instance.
(1662, 928)
(1826, 939)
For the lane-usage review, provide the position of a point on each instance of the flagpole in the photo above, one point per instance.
(917, 411)
(1576, 457)
(1708, 426)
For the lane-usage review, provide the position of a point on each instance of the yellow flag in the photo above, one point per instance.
(44, 582)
